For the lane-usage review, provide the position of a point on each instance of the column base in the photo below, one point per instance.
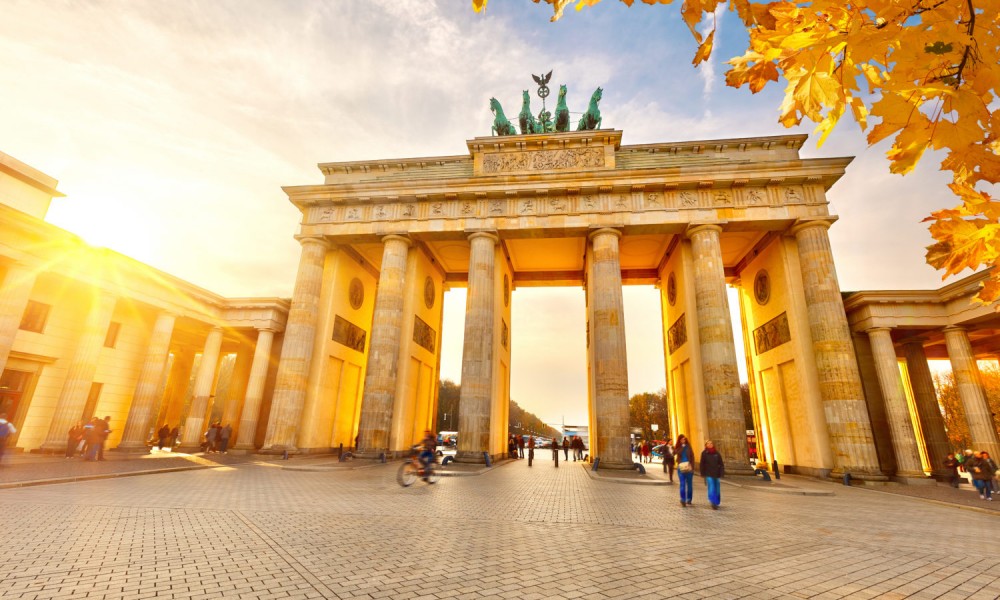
(864, 476)
(51, 448)
(132, 448)
(912, 479)
(477, 458)
(188, 448)
(243, 450)
(740, 470)
(609, 466)
(278, 450)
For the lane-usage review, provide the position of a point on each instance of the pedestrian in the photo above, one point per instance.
(951, 464)
(685, 468)
(980, 475)
(92, 436)
(555, 452)
(668, 460)
(104, 429)
(210, 438)
(531, 449)
(712, 469)
(174, 434)
(986, 470)
(162, 435)
(645, 450)
(226, 433)
(7, 431)
(520, 446)
(565, 446)
(511, 447)
(73, 438)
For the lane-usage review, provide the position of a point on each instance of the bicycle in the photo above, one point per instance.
(413, 467)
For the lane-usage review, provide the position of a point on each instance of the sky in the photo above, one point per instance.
(172, 127)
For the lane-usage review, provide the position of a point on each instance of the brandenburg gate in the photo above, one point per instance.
(382, 239)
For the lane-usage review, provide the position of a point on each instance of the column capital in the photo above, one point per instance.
(490, 235)
(694, 228)
(871, 330)
(805, 223)
(604, 231)
(313, 239)
(913, 341)
(398, 237)
(953, 328)
(263, 329)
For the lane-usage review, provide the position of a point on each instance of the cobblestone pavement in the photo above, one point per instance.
(254, 530)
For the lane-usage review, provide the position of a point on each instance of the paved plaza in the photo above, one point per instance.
(256, 530)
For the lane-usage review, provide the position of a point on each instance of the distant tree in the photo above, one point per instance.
(447, 413)
(747, 406)
(648, 408)
(953, 410)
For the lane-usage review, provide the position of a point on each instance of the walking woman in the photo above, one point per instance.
(685, 467)
(712, 469)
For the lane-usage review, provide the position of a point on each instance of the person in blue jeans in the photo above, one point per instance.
(712, 469)
(685, 468)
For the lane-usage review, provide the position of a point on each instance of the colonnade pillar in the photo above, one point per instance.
(970, 390)
(476, 399)
(904, 440)
(14, 295)
(723, 398)
(840, 387)
(383, 355)
(194, 423)
(928, 409)
(297, 349)
(610, 367)
(255, 390)
(80, 377)
(146, 397)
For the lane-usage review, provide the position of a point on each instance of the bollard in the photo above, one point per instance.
(345, 456)
(597, 462)
(486, 458)
(640, 468)
(774, 467)
(284, 455)
(847, 479)
(340, 451)
(531, 455)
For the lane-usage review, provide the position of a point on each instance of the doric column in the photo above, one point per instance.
(194, 423)
(383, 354)
(970, 390)
(610, 365)
(146, 398)
(14, 295)
(931, 421)
(837, 368)
(723, 398)
(904, 440)
(476, 400)
(255, 390)
(296, 351)
(79, 378)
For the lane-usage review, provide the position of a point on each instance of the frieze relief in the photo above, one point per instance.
(348, 334)
(772, 334)
(543, 160)
(677, 334)
(423, 334)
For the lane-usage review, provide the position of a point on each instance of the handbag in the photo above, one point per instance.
(685, 466)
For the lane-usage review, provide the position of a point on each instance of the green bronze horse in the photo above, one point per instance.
(562, 112)
(501, 126)
(592, 118)
(526, 119)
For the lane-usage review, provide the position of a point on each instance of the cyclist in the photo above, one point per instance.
(429, 446)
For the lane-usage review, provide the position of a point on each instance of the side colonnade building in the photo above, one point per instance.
(88, 332)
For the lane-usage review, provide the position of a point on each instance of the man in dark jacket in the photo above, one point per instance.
(712, 469)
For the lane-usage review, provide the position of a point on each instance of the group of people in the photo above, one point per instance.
(217, 438)
(980, 466)
(167, 437)
(643, 451)
(87, 439)
(7, 431)
(711, 467)
(516, 443)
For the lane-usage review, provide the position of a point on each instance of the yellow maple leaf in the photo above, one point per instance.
(704, 50)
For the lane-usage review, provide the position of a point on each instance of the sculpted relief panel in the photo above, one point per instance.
(543, 160)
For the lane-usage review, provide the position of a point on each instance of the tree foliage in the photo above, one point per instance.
(925, 73)
(646, 409)
(954, 412)
(519, 420)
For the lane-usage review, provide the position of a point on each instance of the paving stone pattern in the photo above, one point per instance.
(254, 530)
